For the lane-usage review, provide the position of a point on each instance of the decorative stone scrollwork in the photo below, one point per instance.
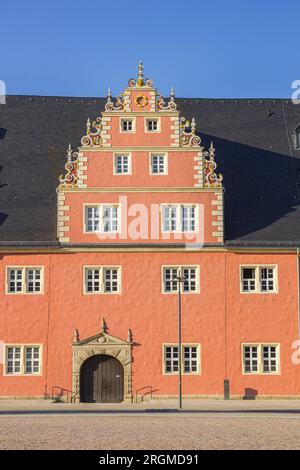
(92, 138)
(132, 82)
(161, 104)
(188, 135)
(70, 178)
(211, 178)
(110, 106)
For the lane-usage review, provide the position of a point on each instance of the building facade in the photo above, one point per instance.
(92, 314)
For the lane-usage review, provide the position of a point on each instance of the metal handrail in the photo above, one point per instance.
(146, 393)
(62, 390)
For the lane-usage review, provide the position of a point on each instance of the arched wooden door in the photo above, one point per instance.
(102, 380)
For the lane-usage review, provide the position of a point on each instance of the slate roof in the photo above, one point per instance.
(254, 151)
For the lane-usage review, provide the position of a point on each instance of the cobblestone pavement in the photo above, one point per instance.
(213, 425)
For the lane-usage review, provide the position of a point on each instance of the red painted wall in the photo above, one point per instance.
(220, 318)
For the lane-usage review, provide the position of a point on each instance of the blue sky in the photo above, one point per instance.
(215, 48)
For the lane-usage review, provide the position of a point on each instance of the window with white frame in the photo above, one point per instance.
(179, 218)
(102, 219)
(102, 280)
(110, 218)
(258, 279)
(170, 216)
(190, 283)
(23, 359)
(152, 125)
(188, 218)
(127, 125)
(24, 280)
(158, 164)
(92, 219)
(122, 164)
(260, 358)
(189, 357)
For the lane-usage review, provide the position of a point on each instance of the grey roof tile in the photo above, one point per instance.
(253, 140)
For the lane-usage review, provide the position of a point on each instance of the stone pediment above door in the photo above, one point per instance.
(101, 338)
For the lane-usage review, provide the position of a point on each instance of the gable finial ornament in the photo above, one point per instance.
(162, 105)
(110, 106)
(140, 81)
(211, 178)
(70, 178)
(188, 136)
(103, 326)
(76, 336)
(92, 138)
(129, 336)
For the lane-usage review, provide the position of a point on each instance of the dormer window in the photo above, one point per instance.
(297, 138)
(127, 125)
(152, 125)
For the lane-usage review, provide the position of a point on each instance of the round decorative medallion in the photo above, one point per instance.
(141, 101)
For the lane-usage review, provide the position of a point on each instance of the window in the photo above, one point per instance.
(102, 280)
(110, 218)
(170, 218)
(259, 279)
(190, 283)
(13, 361)
(171, 359)
(158, 165)
(179, 218)
(251, 359)
(127, 125)
(23, 359)
(23, 280)
(102, 219)
(92, 219)
(269, 359)
(111, 280)
(32, 363)
(267, 279)
(122, 164)
(152, 125)
(248, 279)
(189, 358)
(261, 359)
(188, 218)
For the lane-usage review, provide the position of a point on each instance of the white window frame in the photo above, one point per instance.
(260, 358)
(24, 280)
(102, 269)
(101, 207)
(258, 268)
(183, 346)
(158, 154)
(179, 272)
(23, 349)
(132, 119)
(179, 219)
(122, 154)
(157, 131)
